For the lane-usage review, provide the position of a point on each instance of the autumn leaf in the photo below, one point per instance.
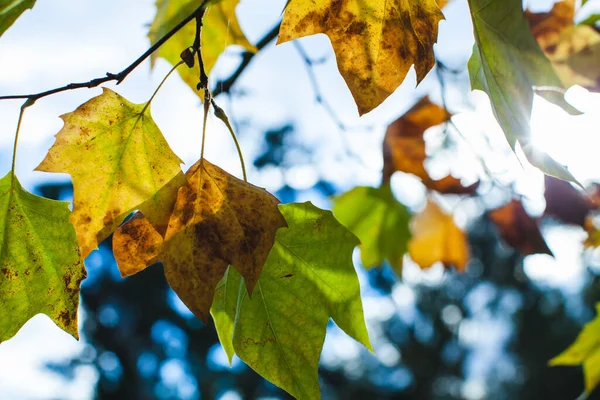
(375, 42)
(39, 260)
(118, 160)
(10, 10)
(565, 203)
(518, 229)
(436, 238)
(506, 64)
(404, 147)
(379, 221)
(280, 331)
(217, 220)
(591, 228)
(584, 351)
(220, 29)
(573, 50)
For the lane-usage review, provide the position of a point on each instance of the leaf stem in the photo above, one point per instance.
(207, 99)
(219, 113)
(160, 86)
(14, 158)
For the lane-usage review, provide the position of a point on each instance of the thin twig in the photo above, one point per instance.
(247, 56)
(119, 77)
(220, 113)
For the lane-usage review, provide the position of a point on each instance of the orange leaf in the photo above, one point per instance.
(437, 238)
(404, 147)
(518, 229)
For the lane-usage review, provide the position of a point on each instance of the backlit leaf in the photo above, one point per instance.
(10, 10)
(308, 278)
(585, 351)
(379, 221)
(39, 260)
(375, 42)
(220, 29)
(436, 238)
(506, 64)
(404, 147)
(118, 160)
(224, 308)
(217, 220)
(518, 229)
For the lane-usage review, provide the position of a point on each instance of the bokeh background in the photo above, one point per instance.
(485, 334)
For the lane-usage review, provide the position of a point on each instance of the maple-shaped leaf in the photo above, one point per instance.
(39, 260)
(280, 331)
(10, 10)
(217, 220)
(584, 351)
(404, 147)
(573, 50)
(506, 64)
(379, 221)
(565, 203)
(436, 238)
(375, 42)
(220, 29)
(118, 160)
(518, 229)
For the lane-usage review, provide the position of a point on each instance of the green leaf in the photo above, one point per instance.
(586, 351)
(39, 260)
(10, 10)
(308, 278)
(507, 64)
(379, 221)
(224, 306)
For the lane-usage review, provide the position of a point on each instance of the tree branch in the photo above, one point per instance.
(119, 77)
(226, 85)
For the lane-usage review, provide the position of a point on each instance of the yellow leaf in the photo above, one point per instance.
(118, 160)
(220, 29)
(586, 351)
(217, 221)
(375, 42)
(437, 238)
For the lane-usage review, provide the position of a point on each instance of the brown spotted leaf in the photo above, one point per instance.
(41, 269)
(404, 147)
(217, 221)
(118, 160)
(518, 229)
(375, 42)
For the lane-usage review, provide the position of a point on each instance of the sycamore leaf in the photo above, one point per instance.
(573, 50)
(518, 229)
(224, 308)
(217, 220)
(280, 331)
(375, 42)
(379, 221)
(39, 260)
(585, 351)
(10, 10)
(436, 238)
(404, 147)
(506, 64)
(118, 160)
(220, 29)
